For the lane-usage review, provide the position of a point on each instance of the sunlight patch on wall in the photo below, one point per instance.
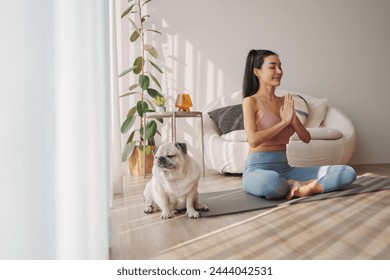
(210, 78)
(189, 67)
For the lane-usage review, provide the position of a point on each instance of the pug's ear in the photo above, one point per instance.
(182, 147)
(154, 151)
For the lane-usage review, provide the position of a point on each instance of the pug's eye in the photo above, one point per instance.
(171, 156)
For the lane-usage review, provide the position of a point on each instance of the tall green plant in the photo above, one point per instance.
(142, 64)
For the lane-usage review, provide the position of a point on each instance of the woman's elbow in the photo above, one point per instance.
(306, 139)
(252, 142)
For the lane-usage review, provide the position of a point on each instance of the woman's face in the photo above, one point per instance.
(271, 72)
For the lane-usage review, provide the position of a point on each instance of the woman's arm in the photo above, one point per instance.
(255, 138)
(302, 132)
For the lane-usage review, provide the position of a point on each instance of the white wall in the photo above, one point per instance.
(334, 49)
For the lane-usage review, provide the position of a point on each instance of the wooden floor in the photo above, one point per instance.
(351, 227)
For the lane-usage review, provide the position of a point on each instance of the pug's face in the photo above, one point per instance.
(170, 157)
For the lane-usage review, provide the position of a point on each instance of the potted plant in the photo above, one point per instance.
(160, 102)
(143, 88)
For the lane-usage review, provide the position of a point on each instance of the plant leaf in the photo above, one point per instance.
(138, 62)
(144, 81)
(127, 11)
(132, 111)
(151, 50)
(134, 36)
(129, 93)
(148, 149)
(133, 86)
(127, 124)
(156, 66)
(144, 18)
(151, 129)
(130, 137)
(142, 107)
(128, 150)
(153, 93)
(126, 71)
(155, 80)
(152, 30)
(147, 1)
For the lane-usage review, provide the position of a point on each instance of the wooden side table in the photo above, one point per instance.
(174, 116)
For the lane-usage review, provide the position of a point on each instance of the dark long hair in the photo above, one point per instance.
(255, 59)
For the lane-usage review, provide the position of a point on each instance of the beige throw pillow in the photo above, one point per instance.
(317, 111)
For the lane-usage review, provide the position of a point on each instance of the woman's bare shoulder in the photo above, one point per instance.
(249, 101)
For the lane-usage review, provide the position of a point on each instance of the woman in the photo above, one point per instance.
(269, 121)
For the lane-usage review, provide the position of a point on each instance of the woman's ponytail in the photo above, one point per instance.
(250, 81)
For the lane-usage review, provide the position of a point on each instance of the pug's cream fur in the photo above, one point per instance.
(174, 184)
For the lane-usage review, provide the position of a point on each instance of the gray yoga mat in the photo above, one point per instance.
(237, 201)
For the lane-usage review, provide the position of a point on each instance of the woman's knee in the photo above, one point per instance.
(351, 173)
(339, 175)
(265, 183)
(347, 173)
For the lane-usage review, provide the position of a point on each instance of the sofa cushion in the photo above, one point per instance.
(301, 108)
(235, 136)
(317, 111)
(321, 133)
(317, 133)
(228, 118)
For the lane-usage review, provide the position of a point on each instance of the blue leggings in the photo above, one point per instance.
(266, 174)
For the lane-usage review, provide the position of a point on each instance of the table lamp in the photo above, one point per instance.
(183, 102)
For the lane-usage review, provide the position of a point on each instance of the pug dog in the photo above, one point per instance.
(174, 183)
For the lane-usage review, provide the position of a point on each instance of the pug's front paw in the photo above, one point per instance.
(193, 214)
(148, 210)
(166, 215)
(202, 207)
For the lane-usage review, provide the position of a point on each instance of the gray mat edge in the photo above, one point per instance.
(358, 187)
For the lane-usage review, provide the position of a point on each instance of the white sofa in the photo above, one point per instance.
(333, 137)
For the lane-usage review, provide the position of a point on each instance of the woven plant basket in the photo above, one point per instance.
(136, 163)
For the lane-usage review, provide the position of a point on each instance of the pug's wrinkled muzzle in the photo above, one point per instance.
(163, 162)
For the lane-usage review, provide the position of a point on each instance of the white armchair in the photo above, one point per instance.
(333, 138)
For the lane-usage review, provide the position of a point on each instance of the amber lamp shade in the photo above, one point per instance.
(183, 102)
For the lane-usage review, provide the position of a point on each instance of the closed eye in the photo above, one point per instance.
(171, 156)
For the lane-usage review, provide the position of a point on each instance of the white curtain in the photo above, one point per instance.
(116, 166)
(54, 122)
(82, 114)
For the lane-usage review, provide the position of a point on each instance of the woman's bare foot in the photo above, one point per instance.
(294, 188)
(303, 188)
